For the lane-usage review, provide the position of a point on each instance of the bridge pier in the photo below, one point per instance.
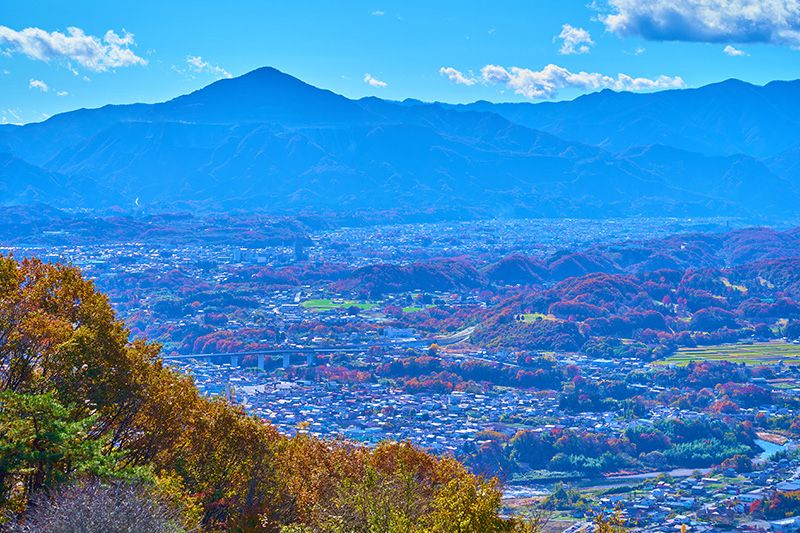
(236, 359)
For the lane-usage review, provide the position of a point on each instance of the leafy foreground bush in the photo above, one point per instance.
(79, 401)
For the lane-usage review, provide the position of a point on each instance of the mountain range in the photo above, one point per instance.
(268, 141)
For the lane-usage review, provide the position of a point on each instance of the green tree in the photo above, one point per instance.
(42, 444)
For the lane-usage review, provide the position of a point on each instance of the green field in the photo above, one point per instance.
(759, 353)
(328, 304)
(532, 317)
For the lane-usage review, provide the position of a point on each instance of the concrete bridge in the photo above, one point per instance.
(286, 353)
(276, 353)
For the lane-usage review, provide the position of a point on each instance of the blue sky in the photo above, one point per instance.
(527, 50)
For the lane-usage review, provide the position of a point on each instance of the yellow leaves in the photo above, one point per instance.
(466, 504)
(338, 486)
(171, 489)
(44, 310)
(613, 523)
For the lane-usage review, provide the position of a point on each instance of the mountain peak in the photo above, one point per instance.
(266, 70)
(728, 84)
(263, 95)
(263, 76)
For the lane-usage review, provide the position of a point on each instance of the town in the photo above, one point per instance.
(573, 433)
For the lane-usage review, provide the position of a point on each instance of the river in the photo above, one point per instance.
(770, 449)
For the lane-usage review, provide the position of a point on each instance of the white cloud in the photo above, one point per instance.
(115, 40)
(38, 84)
(198, 64)
(457, 76)
(546, 83)
(88, 51)
(733, 51)
(378, 13)
(574, 40)
(62, 93)
(374, 81)
(732, 21)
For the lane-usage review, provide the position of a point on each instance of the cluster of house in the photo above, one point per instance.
(367, 412)
(703, 501)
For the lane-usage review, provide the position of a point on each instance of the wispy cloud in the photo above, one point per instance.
(457, 76)
(546, 84)
(62, 93)
(368, 78)
(90, 52)
(639, 50)
(38, 85)
(717, 21)
(10, 116)
(198, 64)
(733, 51)
(378, 13)
(574, 40)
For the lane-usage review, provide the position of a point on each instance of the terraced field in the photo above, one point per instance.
(759, 353)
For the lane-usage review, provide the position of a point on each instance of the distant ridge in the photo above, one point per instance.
(722, 118)
(266, 140)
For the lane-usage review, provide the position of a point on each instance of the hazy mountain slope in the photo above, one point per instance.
(736, 178)
(268, 140)
(263, 95)
(719, 119)
(38, 142)
(359, 166)
(786, 164)
(24, 184)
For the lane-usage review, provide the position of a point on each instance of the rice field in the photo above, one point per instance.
(758, 353)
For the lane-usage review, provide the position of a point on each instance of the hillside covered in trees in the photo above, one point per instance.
(94, 427)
